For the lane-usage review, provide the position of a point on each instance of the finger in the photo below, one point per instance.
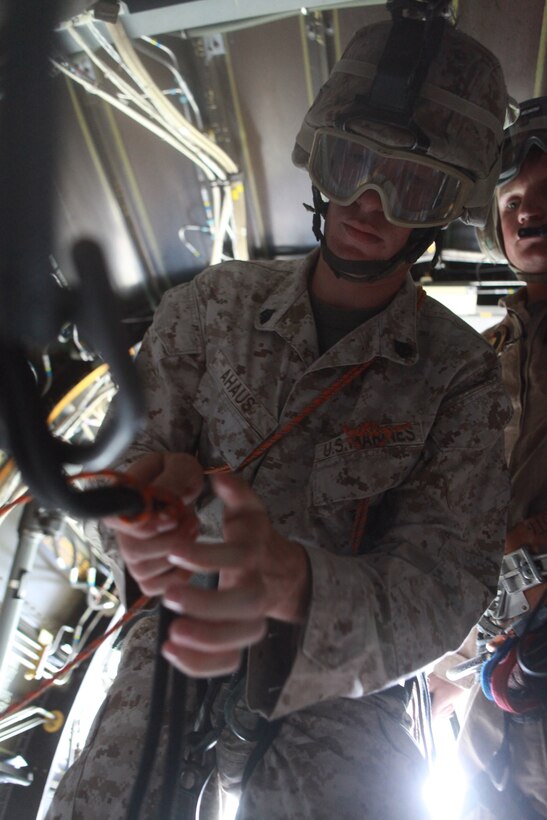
(157, 523)
(157, 584)
(237, 495)
(182, 475)
(211, 556)
(215, 637)
(147, 468)
(135, 548)
(243, 603)
(201, 664)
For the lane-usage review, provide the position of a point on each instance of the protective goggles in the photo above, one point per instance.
(414, 191)
(529, 130)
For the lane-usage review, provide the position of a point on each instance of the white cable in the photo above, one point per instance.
(165, 106)
(225, 216)
(157, 130)
(183, 85)
(148, 107)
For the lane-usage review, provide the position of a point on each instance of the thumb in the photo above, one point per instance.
(181, 475)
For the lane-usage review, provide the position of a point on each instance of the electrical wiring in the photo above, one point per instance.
(141, 99)
(182, 84)
(125, 47)
(149, 118)
(158, 131)
(151, 102)
(125, 88)
(216, 194)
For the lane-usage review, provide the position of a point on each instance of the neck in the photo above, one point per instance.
(342, 293)
(536, 292)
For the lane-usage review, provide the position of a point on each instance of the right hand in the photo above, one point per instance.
(144, 546)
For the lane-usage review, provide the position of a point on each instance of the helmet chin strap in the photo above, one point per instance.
(531, 278)
(373, 270)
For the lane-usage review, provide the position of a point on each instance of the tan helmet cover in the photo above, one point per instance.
(461, 108)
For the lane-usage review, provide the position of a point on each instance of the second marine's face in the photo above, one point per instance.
(522, 203)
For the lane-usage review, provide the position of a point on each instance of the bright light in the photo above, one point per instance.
(230, 804)
(445, 788)
(45, 637)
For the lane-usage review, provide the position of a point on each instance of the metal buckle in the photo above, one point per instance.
(519, 571)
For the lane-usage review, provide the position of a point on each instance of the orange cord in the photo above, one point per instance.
(82, 656)
(326, 394)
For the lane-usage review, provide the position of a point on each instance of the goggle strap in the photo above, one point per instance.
(320, 210)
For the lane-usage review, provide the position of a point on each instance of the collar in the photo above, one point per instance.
(517, 301)
(390, 334)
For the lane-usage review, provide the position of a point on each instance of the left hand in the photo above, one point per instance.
(261, 575)
(444, 696)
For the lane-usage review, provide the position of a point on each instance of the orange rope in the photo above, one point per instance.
(150, 494)
(82, 656)
(359, 525)
(326, 394)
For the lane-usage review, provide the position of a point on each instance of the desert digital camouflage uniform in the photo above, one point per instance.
(230, 357)
(521, 341)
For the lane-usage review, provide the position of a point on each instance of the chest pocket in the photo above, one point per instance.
(345, 473)
(234, 420)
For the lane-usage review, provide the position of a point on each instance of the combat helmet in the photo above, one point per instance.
(412, 99)
(529, 130)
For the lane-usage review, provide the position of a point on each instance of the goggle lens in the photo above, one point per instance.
(411, 191)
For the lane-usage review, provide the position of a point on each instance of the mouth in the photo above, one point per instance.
(361, 232)
(533, 233)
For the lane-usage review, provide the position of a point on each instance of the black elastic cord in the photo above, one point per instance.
(155, 715)
(171, 767)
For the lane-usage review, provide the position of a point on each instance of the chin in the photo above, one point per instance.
(359, 254)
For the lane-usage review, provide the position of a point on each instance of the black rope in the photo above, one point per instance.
(155, 715)
(174, 742)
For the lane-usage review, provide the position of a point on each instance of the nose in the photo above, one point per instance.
(533, 208)
(369, 202)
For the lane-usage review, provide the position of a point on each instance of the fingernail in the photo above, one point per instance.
(166, 522)
(174, 606)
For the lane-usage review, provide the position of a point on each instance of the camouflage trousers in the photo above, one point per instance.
(349, 759)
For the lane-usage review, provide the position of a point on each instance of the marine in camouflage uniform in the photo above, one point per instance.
(417, 438)
(520, 340)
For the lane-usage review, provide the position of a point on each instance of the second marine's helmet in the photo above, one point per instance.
(529, 131)
(414, 110)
